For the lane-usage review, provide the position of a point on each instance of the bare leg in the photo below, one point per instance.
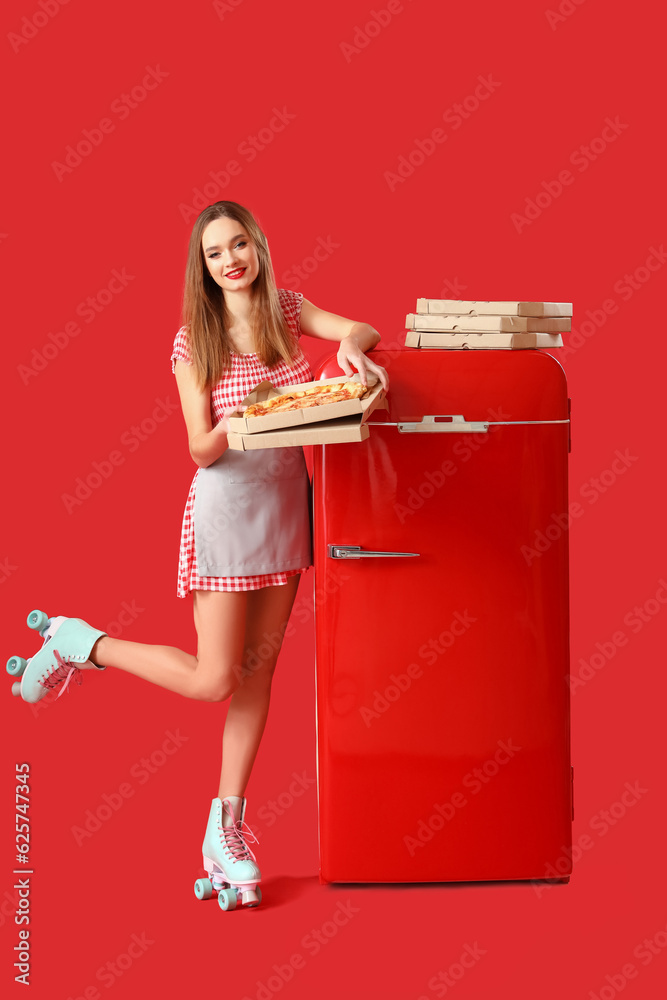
(213, 674)
(268, 614)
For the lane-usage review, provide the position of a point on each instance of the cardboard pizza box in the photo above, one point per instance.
(484, 341)
(465, 307)
(487, 324)
(240, 424)
(341, 431)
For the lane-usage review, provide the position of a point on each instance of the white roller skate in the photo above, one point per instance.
(230, 864)
(65, 652)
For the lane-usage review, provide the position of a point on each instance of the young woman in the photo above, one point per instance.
(246, 529)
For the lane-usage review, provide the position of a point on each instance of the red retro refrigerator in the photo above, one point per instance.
(442, 632)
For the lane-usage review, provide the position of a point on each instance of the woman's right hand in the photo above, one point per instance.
(223, 423)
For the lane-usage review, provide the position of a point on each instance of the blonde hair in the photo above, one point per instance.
(204, 312)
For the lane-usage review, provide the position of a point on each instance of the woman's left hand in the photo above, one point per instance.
(349, 353)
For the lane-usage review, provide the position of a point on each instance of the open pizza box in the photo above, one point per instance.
(331, 423)
(312, 414)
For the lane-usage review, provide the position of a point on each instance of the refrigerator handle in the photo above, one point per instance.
(356, 552)
(444, 423)
(569, 429)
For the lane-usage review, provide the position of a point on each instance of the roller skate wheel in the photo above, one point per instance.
(37, 620)
(251, 897)
(16, 689)
(16, 665)
(227, 899)
(203, 888)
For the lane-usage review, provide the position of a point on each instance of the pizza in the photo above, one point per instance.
(317, 395)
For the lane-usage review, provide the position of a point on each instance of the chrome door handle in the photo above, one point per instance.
(356, 552)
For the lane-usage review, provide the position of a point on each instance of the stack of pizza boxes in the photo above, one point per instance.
(458, 324)
(336, 422)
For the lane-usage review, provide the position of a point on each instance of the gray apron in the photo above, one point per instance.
(252, 513)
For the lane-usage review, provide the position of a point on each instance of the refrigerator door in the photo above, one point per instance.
(442, 704)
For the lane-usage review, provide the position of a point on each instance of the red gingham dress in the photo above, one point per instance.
(247, 371)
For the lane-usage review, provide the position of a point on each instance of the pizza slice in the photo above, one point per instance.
(317, 395)
(350, 390)
(267, 405)
(304, 397)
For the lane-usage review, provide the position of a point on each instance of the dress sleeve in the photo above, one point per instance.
(291, 306)
(181, 350)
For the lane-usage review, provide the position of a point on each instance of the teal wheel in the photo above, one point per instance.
(16, 665)
(227, 899)
(203, 888)
(37, 620)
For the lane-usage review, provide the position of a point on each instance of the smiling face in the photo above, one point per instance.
(228, 251)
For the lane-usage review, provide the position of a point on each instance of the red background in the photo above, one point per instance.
(445, 231)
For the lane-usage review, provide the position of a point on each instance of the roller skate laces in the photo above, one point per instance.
(62, 674)
(233, 838)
